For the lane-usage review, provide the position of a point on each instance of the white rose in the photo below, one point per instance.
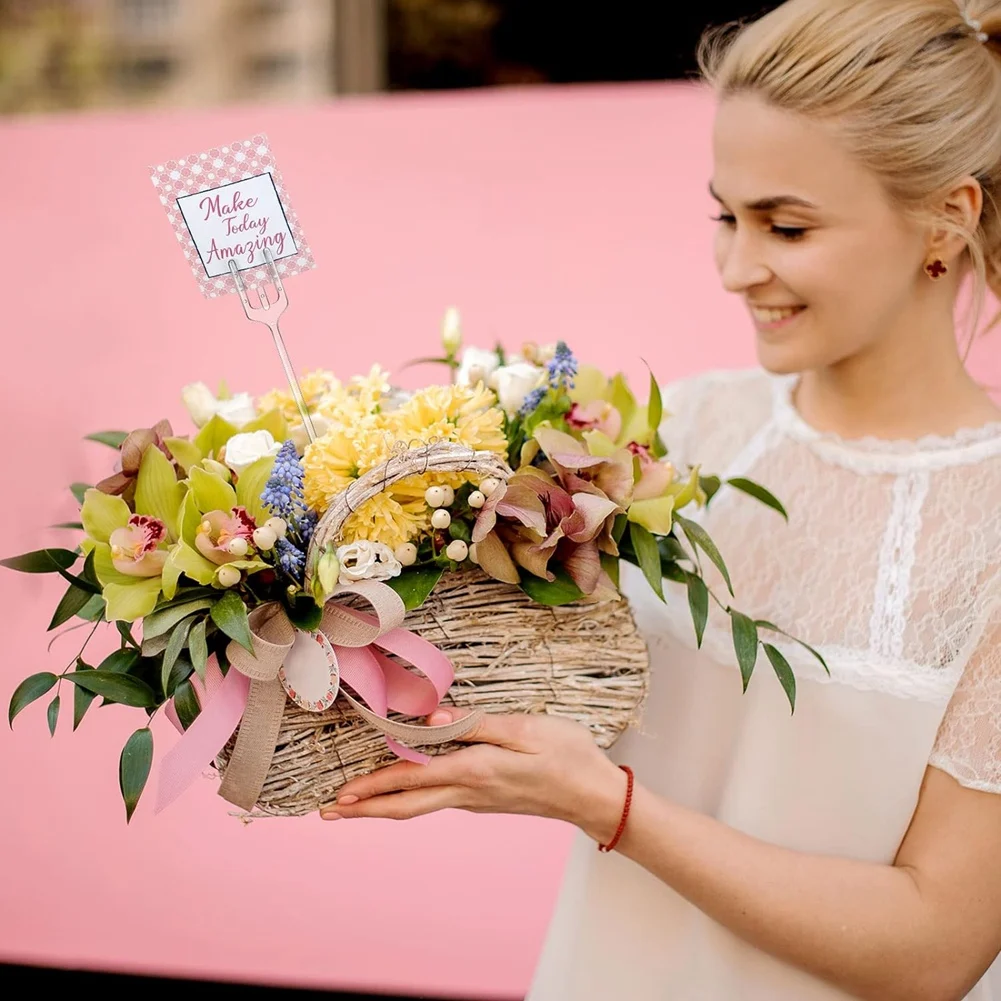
(515, 381)
(476, 365)
(364, 560)
(238, 410)
(242, 450)
(200, 402)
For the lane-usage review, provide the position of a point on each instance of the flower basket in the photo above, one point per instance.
(510, 654)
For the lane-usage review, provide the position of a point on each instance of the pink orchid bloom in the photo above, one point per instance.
(610, 476)
(135, 548)
(218, 529)
(655, 476)
(123, 483)
(542, 522)
(598, 415)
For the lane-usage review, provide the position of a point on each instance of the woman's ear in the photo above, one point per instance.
(962, 204)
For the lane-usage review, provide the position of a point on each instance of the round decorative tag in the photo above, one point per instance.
(310, 675)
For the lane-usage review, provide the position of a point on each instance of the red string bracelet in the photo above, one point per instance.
(625, 811)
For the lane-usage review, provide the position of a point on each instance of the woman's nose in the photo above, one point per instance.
(740, 263)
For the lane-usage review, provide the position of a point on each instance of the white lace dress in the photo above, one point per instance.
(891, 566)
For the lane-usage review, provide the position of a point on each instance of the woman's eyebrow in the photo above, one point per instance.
(770, 203)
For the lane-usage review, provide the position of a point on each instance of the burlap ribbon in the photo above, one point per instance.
(253, 696)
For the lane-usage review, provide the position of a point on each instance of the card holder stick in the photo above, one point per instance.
(268, 313)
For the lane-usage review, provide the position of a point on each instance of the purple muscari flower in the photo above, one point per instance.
(283, 492)
(291, 559)
(563, 367)
(532, 400)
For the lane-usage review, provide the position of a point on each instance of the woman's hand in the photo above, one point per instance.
(528, 764)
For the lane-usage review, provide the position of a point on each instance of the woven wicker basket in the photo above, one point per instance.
(583, 661)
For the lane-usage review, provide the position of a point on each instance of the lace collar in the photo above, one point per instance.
(881, 455)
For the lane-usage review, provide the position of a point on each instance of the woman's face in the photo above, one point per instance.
(807, 236)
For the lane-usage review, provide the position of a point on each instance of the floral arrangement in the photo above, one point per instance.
(191, 533)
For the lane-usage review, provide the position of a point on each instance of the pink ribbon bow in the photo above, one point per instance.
(252, 697)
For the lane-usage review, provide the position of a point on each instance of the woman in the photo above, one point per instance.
(853, 850)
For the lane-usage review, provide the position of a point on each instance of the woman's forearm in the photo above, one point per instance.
(861, 926)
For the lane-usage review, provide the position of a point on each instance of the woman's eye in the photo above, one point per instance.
(728, 219)
(789, 232)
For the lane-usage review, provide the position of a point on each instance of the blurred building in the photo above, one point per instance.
(181, 53)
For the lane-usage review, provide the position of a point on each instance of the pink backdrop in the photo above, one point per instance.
(577, 213)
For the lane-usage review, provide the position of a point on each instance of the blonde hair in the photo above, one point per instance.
(906, 85)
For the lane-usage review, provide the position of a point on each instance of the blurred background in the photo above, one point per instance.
(58, 55)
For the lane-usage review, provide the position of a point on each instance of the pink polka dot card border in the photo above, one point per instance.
(231, 203)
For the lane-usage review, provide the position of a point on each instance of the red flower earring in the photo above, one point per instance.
(935, 270)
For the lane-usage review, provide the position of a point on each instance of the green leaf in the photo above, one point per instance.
(458, 529)
(619, 527)
(709, 486)
(229, 613)
(125, 630)
(647, 557)
(52, 715)
(758, 492)
(112, 438)
(78, 525)
(30, 689)
(186, 704)
(78, 490)
(783, 672)
(102, 513)
(158, 492)
(698, 602)
(93, 610)
(251, 485)
(211, 438)
(180, 672)
(69, 605)
(81, 697)
(119, 662)
(41, 561)
(610, 564)
(698, 536)
(185, 452)
(655, 408)
(212, 492)
(561, 591)
(87, 581)
(121, 688)
(764, 624)
(304, 613)
(745, 643)
(134, 767)
(164, 618)
(178, 639)
(414, 584)
(198, 648)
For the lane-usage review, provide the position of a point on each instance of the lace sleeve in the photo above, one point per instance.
(968, 745)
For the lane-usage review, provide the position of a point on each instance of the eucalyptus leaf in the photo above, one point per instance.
(647, 557)
(655, 408)
(783, 672)
(134, 767)
(164, 618)
(698, 603)
(179, 674)
(41, 561)
(698, 536)
(229, 613)
(178, 639)
(113, 439)
(764, 624)
(759, 493)
(745, 643)
(125, 629)
(69, 605)
(28, 691)
(710, 486)
(52, 715)
(414, 584)
(186, 704)
(119, 662)
(78, 525)
(120, 688)
(81, 697)
(155, 646)
(198, 648)
(93, 610)
(78, 490)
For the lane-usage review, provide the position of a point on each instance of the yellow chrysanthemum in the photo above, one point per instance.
(463, 414)
(315, 385)
(389, 519)
(337, 459)
(370, 389)
(344, 409)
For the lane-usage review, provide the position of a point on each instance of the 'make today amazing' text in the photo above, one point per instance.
(244, 235)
